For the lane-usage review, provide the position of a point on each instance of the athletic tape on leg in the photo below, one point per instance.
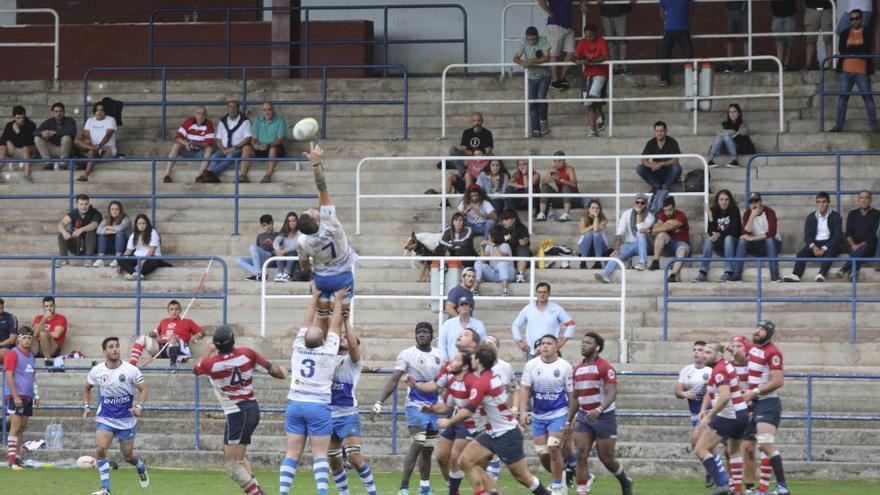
(238, 473)
(763, 438)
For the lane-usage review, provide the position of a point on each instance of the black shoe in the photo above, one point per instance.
(597, 265)
(583, 265)
(211, 177)
(836, 128)
(570, 476)
(709, 482)
(558, 85)
(655, 265)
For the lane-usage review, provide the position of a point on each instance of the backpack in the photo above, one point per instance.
(113, 108)
(691, 182)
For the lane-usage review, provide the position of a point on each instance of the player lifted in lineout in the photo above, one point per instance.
(324, 249)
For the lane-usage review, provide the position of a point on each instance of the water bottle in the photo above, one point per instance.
(55, 436)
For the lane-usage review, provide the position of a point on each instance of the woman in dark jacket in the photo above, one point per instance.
(458, 239)
(722, 235)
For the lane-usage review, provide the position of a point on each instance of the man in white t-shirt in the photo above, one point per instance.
(232, 140)
(97, 139)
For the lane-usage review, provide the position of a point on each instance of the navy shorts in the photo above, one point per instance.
(605, 425)
(455, 432)
(241, 425)
(694, 406)
(767, 410)
(508, 446)
(26, 409)
(731, 428)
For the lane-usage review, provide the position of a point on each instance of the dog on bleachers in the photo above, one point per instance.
(422, 244)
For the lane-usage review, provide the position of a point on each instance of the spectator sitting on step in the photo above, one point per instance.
(516, 235)
(261, 250)
(633, 229)
(734, 137)
(116, 226)
(77, 234)
(861, 234)
(171, 339)
(285, 245)
(478, 211)
(474, 138)
(593, 241)
(144, 242)
(783, 22)
(269, 133)
(823, 233)
(464, 290)
(233, 141)
(97, 138)
(532, 52)
(50, 330)
(18, 139)
(8, 329)
(591, 53)
(54, 138)
(722, 233)
(474, 169)
(561, 178)
(458, 239)
(495, 270)
(855, 70)
(494, 180)
(519, 183)
(660, 173)
(672, 237)
(759, 238)
(194, 139)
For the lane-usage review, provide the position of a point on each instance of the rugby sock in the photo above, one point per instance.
(480, 492)
(138, 464)
(736, 473)
(621, 476)
(494, 468)
(104, 473)
(720, 463)
(776, 464)
(322, 475)
(340, 478)
(366, 475)
(12, 448)
(286, 475)
(536, 487)
(252, 487)
(173, 354)
(455, 478)
(712, 468)
(555, 484)
(766, 473)
(424, 487)
(136, 350)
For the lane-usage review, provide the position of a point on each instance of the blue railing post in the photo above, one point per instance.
(666, 303)
(137, 306)
(235, 187)
(225, 290)
(244, 98)
(3, 414)
(385, 59)
(760, 299)
(154, 196)
(164, 104)
(53, 260)
(196, 402)
(809, 418)
(306, 41)
(324, 102)
(822, 95)
(405, 105)
(228, 42)
(464, 34)
(394, 422)
(837, 179)
(854, 276)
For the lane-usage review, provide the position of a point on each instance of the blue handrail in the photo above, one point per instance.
(324, 102)
(228, 43)
(759, 298)
(153, 195)
(138, 294)
(823, 92)
(838, 190)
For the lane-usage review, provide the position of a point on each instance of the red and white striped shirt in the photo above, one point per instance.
(590, 380)
(488, 398)
(191, 130)
(762, 360)
(232, 375)
(444, 377)
(723, 373)
(458, 393)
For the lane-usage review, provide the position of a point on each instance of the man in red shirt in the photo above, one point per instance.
(170, 339)
(591, 52)
(671, 237)
(194, 139)
(50, 329)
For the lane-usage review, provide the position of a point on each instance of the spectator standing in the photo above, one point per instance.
(494, 179)
(285, 245)
(736, 21)
(520, 183)
(633, 228)
(478, 211)
(269, 134)
(495, 270)
(233, 141)
(855, 70)
(561, 36)
(533, 52)
(734, 136)
(144, 242)
(591, 53)
(18, 139)
(660, 173)
(54, 138)
(261, 250)
(672, 237)
(8, 329)
(818, 17)
(541, 317)
(593, 240)
(453, 326)
(516, 235)
(194, 139)
(865, 6)
(759, 238)
(474, 138)
(97, 138)
(465, 290)
(561, 178)
(861, 234)
(823, 233)
(783, 22)
(722, 234)
(117, 226)
(77, 230)
(458, 239)
(615, 18)
(676, 15)
(50, 330)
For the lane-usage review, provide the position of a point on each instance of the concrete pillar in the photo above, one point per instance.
(285, 27)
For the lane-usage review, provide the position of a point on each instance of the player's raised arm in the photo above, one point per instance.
(315, 154)
(309, 318)
(354, 348)
(336, 320)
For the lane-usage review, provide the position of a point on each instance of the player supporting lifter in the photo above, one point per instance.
(547, 383)
(231, 370)
(504, 371)
(742, 468)
(312, 364)
(118, 412)
(324, 249)
(170, 339)
(20, 391)
(766, 377)
(591, 414)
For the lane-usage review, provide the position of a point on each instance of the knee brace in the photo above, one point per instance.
(419, 438)
(554, 442)
(763, 438)
(352, 449)
(323, 313)
(431, 439)
(542, 450)
(334, 454)
(238, 473)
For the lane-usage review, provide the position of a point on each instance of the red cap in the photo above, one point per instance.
(742, 340)
(474, 187)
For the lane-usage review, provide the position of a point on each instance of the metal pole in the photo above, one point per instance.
(196, 425)
(760, 297)
(443, 193)
(137, 307)
(665, 303)
(405, 105)
(237, 199)
(56, 48)
(154, 197)
(822, 94)
(749, 14)
(394, 421)
(385, 39)
(225, 291)
(837, 179)
(853, 303)
(696, 89)
(610, 98)
(443, 103)
(228, 43)
(531, 198)
(809, 418)
(164, 103)
(324, 102)
(526, 101)
(616, 188)
(624, 346)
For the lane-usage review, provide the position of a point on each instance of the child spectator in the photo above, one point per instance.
(115, 225)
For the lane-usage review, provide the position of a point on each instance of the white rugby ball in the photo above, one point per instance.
(86, 462)
(305, 129)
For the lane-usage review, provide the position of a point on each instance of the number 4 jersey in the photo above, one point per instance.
(232, 375)
(311, 370)
(329, 249)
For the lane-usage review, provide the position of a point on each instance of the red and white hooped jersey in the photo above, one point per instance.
(232, 375)
(590, 380)
(444, 376)
(458, 392)
(723, 373)
(762, 360)
(488, 398)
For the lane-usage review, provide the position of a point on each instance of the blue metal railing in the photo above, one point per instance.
(307, 42)
(823, 93)
(154, 196)
(138, 294)
(759, 298)
(838, 190)
(324, 102)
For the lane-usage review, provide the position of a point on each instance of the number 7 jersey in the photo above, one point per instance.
(312, 370)
(328, 248)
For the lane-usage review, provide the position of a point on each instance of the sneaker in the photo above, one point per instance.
(712, 164)
(131, 276)
(709, 481)
(721, 490)
(144, 479)
(545, 127)
(254, 278)
(16, 466)
(663, 84)
(82, 178)
(673, 278)
(843, 272)
(520, 278)
(102, 491)
(836, 128)
(701, 277)
(591, 133)
(60, 263)
(564, 84)
(266, 180)
(88, 263)
(558, 85)
(505, 292)
(597, 265)
(601, 123)
(536, 134)
(735, 279)
(639, 267)
(167, 179)
(403, 491)
(655, 265)
(114, 264)
(27, 179)
(564, 218)
(570, 476)
(820, 278)
(776, 281)
(781, 490)
(600, 276)
(98, 263)
(475, 291)
(583, 265)
(627, 488)
(726, 277)
(557, 490)
(540, 217)
(282, 277)
(733, 164)
(791, 278)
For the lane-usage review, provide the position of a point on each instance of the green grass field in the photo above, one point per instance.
(215, 482)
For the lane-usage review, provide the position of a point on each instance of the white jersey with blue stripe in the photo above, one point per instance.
(343, 401)
(311, 370)
(329, 250)
(551, 384)
(423, 366)
(116, 391)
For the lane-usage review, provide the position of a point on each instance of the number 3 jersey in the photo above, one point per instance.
(311, 370)
(232, 375)
(116, 389)
(328, 248)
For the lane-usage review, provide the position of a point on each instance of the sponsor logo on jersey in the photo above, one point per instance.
(556, 373)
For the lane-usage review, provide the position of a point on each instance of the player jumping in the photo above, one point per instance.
(20, 391)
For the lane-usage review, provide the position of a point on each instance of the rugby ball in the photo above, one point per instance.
(305, 129)
(86, 462)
